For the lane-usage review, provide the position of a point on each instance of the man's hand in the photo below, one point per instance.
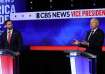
(17, 53)
(76, 42)
(85, 43)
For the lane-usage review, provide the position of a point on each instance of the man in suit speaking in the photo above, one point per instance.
(93, 42)
(11, 39)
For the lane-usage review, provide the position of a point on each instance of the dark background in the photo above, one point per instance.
(44, 62)
(42, 5)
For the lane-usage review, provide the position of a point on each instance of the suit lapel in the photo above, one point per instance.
(5, 40)
(5, 36)
(12, 37)
(93, 35)
(88, 33)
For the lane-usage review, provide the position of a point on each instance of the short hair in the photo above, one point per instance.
(7, 21)
(95, 20)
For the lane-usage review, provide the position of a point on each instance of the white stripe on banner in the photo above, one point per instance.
(73, 65)
(62, 14)
(72, 56)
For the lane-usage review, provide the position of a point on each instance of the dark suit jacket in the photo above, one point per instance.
(16, 41)
(95, 42)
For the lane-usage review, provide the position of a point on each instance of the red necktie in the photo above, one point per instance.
(9, 37)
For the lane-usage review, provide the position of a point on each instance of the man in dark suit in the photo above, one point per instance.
(11, 39)
(94, 42)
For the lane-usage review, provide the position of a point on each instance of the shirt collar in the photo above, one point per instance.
(9, 30)
(94, 29)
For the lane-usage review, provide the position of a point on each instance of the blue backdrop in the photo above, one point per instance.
(54, 32)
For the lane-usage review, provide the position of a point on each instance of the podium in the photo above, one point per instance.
(81, 62)
(6, 61)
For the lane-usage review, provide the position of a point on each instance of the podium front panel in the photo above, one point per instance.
(6, 64)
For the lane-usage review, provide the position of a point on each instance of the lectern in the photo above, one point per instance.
(6, 61)
(81, 62)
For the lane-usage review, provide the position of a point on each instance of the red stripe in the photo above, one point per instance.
(59, 48)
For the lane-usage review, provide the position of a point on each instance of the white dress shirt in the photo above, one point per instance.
(11, 31)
